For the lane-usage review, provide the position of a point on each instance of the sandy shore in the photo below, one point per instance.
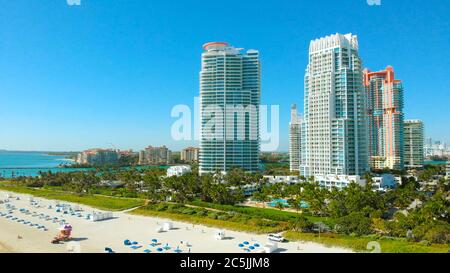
(93, 237)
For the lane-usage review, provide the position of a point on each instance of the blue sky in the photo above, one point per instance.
(110, 71)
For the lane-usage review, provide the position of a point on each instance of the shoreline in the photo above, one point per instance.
(93, 237)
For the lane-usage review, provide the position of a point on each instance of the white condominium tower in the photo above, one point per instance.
(230, 90)
(334, 128)
(294, 139)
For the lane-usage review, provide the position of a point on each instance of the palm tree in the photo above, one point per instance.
(279, 206)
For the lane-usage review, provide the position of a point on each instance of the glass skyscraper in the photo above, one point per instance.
(294, 140)
(230, 90)
(414, 142)
(334, 127)
(385, 114)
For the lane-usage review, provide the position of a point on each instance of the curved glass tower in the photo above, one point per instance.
(230, 90)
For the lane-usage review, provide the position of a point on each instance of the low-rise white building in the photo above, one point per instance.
(338, 181)
(385, 182)
(274, 179)
(178, 170)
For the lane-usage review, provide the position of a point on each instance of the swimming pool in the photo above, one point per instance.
(285, 203)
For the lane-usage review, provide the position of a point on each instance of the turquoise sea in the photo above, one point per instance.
(30, 164)
(14, 164)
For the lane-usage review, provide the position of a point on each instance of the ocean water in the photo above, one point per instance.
(13, 164)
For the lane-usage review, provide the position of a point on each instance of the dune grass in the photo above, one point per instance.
(95, 201)
(360, 244)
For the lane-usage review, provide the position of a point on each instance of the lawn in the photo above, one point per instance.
(228, 220)
(359, 244)
(266, 213)
(96, 201)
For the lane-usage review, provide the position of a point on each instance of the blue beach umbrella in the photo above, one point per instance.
(159, 249)
(246, 243)
(241, 245)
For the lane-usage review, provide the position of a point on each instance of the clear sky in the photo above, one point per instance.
(110, 71)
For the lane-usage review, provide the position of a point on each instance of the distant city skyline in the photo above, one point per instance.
(79, 77)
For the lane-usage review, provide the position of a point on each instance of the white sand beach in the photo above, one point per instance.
(94, 237)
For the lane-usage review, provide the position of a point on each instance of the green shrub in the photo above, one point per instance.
(354, 223)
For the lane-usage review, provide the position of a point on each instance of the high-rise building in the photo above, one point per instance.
(155, 156)
(98, 157)
(294, 139)
(334, 127)
(229, 104)
(190, 154)
(385, 114)
(414, 140)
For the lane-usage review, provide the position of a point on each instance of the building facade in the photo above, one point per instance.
(338, 181)
(178, 170)
(190, 155)
(98, 157)
(385, 119)
(155, 156)
(334, 127)
(414, 144)
(294, 140)
(229, 108)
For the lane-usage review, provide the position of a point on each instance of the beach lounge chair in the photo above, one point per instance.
(108, 250)
(147, 251)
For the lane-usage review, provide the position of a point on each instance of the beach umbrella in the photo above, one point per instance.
(154, 241)
(159, 249)
(246, 243)
(256, 245)
(252, 247)
(178, 250)
(241, 245)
